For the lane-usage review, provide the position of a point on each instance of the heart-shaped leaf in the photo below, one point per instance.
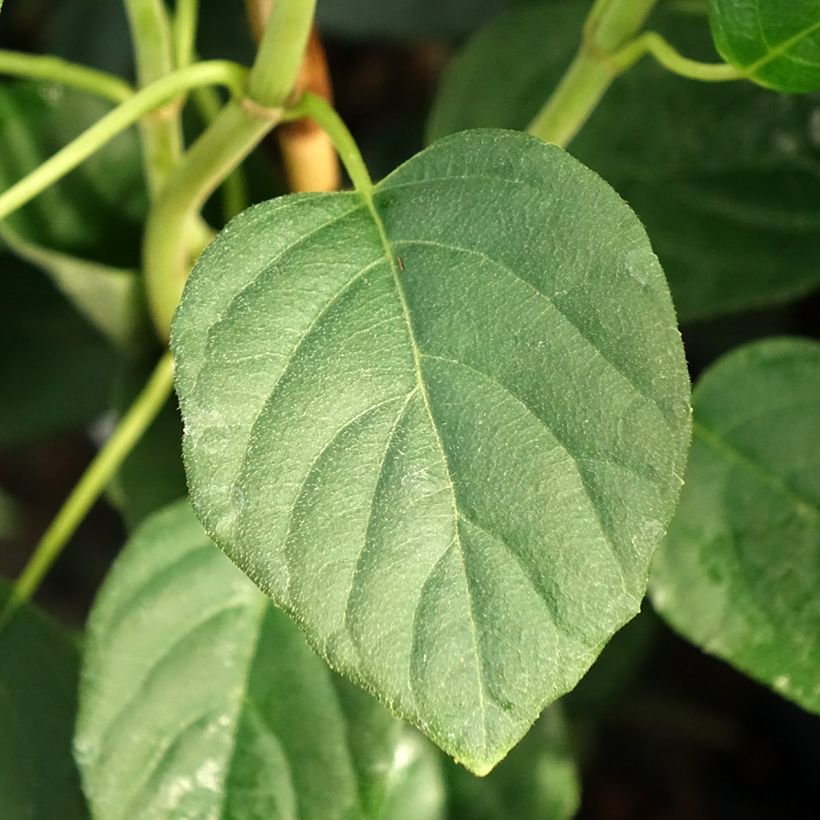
(725, 179)
(442, 423)
(739, 572)
(199, 699)
(775, 42)
(38, 699)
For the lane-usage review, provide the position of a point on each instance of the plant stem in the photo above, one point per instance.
(53, 69)
(652, 43)
(234, 186)
(280, 52)
(231, 137)
(215, 72)
(95, 479)
(610, 25)
(153, 48)
(319, 109)
(185, 23)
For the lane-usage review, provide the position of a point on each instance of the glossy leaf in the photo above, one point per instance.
(725, 180)
(775, 42)
(538, 780)
(739, 572)
(55, 371)
(38, 683)
(446, 433)
(199, 699)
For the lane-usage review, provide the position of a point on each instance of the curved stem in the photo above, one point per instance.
(215, 72)
(95, 479)
(609, 25)
(185, 23)
(319, 109)
(231, 137)
(53, 69)
(669, 57)
(234, 186)
(228, 140)
(280, 51)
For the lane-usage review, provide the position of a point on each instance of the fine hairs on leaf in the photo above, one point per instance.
(395, 453)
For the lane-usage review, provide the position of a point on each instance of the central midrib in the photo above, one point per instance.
(367, 195)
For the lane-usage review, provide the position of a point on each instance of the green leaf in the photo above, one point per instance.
(110, 298)
(38, 684)
(775, 42)
(55, 371)
(444, 428)
(199, 699)
(739, 572)
(84, 230)
(95, 212)
(538, 780)
(725, 180)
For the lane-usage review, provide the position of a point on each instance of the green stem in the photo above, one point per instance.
(652, 43)
(319, 109)
(153, 48)
(231, 137)
(234, 187)
(215, 72)
(53, 69)
(610, 25)
(280, 52)
(95, 479)
(185, 23)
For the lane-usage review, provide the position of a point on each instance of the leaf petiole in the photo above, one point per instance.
(319, 109)
(653, 44)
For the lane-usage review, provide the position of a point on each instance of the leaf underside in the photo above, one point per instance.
(739, 571)
(444, 427)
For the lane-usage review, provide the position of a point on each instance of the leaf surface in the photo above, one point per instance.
(444, 428)
(739, 572)
(775, 42)
(725, 178)
(199, 699)
(38, 692)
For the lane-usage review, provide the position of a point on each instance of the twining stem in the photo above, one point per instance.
(93, 482)
(610, 45)
(214, 72)
(320, 110)
(234, 186)
(53, 69)
(656, 46)
(153, 48)
(184, 31)
(229, 139)
(610, 25)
